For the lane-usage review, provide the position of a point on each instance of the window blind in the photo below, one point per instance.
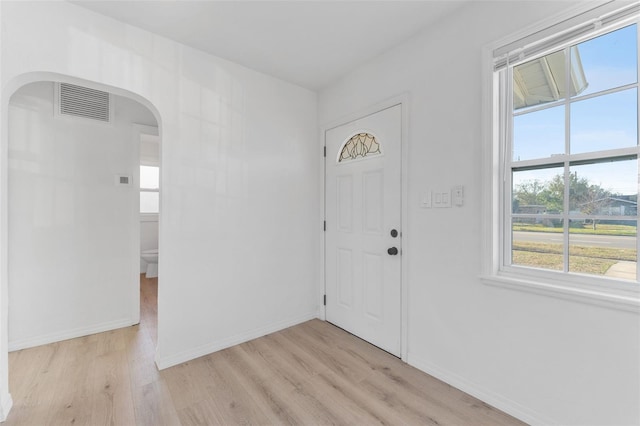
(563, 33)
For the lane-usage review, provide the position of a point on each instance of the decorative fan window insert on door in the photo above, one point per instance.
(359, 146)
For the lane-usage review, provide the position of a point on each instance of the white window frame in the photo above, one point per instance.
(150, 216)
(576, 25)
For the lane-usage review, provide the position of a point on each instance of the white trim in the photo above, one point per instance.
(498, 401)
(322, 287)
(574, 99)
(617, 154)
(404, 259)
(149, 217)
(71, 334)
(364, 112)
(540, 26)
(562, 290)
(490, 225)
(551, 22)
(403, 101)
(6, 402)
(582, 24)
(638, 135)
(137, 131)
(209, 348)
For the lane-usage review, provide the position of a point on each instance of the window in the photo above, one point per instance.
(149, 189)
(359, 145)
(566, 176)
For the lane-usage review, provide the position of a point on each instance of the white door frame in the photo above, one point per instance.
(402, 100)
(138, 131)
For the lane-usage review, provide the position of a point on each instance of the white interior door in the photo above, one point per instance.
(363, 235)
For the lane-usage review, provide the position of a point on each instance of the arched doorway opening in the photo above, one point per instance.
(73, 229)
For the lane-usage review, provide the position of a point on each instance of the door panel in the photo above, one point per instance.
(373, 290)
(373, 202)
(363, 205)
(345, 203)
(345, 278)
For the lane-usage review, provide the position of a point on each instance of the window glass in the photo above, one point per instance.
(538, 191)
(149, 177)
(539, 134)
(150, 189)
(539, 81)
(538, 243)
(573, 163)
(607, 61)
(604, 188)
(604, 247)
(360, 146)
(605, 122)
(149, 202)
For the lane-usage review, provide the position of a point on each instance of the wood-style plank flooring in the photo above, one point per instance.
(310, 374)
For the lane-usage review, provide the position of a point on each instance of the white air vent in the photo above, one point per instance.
(84, 102)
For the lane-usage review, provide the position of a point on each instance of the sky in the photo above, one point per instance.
(606, 122)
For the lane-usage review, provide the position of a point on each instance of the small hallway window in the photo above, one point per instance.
(149, 189)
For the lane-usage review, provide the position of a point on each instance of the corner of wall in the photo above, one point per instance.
(167, 361)
(6, 402)
(31, 342)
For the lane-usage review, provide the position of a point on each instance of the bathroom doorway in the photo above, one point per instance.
(149, 184)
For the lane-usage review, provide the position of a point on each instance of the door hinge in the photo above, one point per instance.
(324, 226)
(325, 300)
(325, 152)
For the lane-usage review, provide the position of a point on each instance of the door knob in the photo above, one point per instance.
(392, 251)
(394, 233)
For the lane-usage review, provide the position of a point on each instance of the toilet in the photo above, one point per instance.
(151, 257)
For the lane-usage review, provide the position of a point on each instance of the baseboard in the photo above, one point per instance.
(179, 358)
(16, 345)
(6, 402)
(498, 401)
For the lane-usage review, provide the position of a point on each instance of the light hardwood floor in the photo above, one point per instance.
(310, 374)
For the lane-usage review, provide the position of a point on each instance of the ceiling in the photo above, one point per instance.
(308, 43)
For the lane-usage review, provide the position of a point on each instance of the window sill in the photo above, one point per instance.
(149, 217)
(623, 300)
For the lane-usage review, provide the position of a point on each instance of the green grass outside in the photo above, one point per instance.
(582, 259)
(601, 229)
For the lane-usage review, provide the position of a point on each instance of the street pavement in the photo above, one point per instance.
(611, 241)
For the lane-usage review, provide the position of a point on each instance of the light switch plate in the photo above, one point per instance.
(442, 199)
(425, 202)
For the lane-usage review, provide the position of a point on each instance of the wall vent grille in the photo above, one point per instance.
(84, 102)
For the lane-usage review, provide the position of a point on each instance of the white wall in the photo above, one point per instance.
(240, 216)
(72, 266)
(149, 233)
(546, 360)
